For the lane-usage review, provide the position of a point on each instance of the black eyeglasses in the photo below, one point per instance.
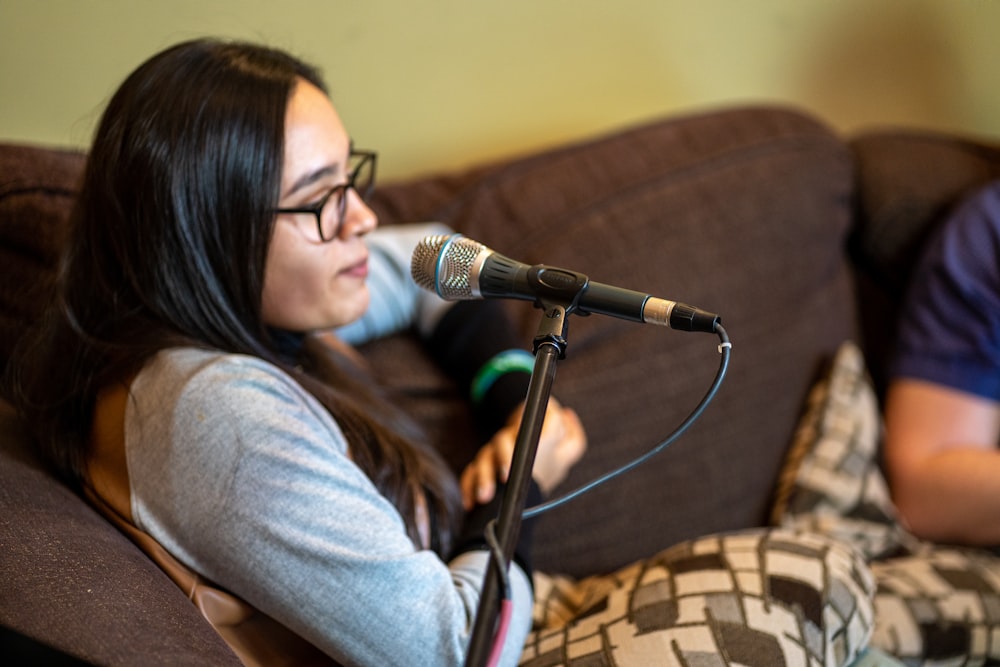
(361, 180)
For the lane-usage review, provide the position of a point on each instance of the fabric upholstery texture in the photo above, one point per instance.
(37, 189)
(73, 582)
(911, 181)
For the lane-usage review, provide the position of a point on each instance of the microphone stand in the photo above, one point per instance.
(549, 346)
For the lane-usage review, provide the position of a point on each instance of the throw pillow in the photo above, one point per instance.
(755, 598)
(831, 481)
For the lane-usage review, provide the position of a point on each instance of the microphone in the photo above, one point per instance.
(458, 268)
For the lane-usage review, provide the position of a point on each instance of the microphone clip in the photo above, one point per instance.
(554, 286)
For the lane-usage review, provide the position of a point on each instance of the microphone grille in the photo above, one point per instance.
(444, 264)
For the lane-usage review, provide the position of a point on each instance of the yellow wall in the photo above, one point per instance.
(438, 84)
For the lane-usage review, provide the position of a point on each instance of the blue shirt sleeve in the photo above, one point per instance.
(949, 329)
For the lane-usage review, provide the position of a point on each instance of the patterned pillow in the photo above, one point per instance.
(939, 606)
(831, 482)
(760, 598)
(934, 604)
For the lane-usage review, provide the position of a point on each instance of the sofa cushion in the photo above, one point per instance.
(742, 212)
(73, 583)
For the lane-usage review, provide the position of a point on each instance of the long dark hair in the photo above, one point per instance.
(168, 244)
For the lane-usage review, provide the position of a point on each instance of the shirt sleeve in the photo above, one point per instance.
(949, 329)
(245, 478)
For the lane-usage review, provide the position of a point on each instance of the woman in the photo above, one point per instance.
(185, 386)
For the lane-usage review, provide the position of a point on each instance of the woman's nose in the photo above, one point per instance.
(359, 218)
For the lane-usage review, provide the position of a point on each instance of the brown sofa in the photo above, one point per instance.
(798, 237)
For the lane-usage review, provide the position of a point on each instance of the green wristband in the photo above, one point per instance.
(508, 361)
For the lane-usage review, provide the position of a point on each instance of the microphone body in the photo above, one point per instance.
(458, 268)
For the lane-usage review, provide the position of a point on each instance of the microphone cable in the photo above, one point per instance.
(505, 602)
(725, 349)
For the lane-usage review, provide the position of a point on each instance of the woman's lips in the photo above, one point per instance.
(357, 270)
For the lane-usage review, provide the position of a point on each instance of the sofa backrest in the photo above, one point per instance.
(743, 212)
(37, 190)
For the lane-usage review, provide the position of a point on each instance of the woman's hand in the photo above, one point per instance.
(561, 444)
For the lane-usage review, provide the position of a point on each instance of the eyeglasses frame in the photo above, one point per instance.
(349, 184)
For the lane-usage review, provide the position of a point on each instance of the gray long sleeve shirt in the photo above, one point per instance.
(245, 478)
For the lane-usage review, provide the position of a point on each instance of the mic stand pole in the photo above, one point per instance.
(549, 345)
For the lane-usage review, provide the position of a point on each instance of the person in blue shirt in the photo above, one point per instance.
(943, 401)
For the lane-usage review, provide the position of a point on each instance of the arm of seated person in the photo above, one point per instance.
(943, 462)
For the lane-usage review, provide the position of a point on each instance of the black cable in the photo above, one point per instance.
(505, 601)
(498, 558)
(492, 542)
(725, 348)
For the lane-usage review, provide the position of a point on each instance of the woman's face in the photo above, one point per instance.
(309, 284)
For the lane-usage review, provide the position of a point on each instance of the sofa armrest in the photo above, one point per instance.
(73, 583)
